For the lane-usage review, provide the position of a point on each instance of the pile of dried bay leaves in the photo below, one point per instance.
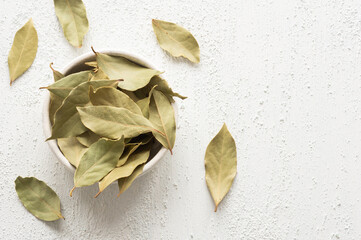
(111, 119)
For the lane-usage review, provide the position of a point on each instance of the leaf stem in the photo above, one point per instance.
(93, 50)
(71, 191)
(96, 195)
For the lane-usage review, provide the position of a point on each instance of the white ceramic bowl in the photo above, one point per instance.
(75, 66)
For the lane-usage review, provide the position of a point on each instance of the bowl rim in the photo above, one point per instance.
(46, 120)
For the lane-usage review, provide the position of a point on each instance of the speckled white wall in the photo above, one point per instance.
(285, 76)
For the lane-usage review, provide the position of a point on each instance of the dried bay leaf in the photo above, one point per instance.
(63, 87)
(141, 139)
(140, 156)
(23, 50)
(144, 103)
(92, 64)
(67, 120)
(97, 162)
(87, 138)
(112, 122)
(128, 150)
(161, 114)
(72, 149)
(162, 85)
(99, 75)
(55, 101)
(38, 198)
(107, 96)
(176, 40)
(118, 67)
(124, 183)
(73, 19)
(56, 74)
(220, 164)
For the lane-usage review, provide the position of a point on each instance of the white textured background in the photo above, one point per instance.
(285, 76)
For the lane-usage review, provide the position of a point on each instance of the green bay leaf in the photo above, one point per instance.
(23, 50)
(67, 120)
(38, 198)
(118, 67)
(112, 122)
(161, 114)
(176, 40)
(220, 164)
(73, 19)
(98, 161)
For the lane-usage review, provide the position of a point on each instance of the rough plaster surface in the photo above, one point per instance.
(284, 75)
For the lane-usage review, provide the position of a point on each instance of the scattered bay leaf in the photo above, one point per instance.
(108, 96)
(23, 50)
(73, 19)
(38, 198)
(97, 162)
(118, 67)
(176, 40)
(220, 164)
(113, 122)
(161, 114)
(72, 149)
(124, 183)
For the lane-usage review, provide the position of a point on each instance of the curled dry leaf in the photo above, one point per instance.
(38, 198)
(97, 162)
(23, 50)
(176, 40)
(220, 164)
(73, 19)
(118, 67)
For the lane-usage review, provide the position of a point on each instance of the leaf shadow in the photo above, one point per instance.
(181, 59)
